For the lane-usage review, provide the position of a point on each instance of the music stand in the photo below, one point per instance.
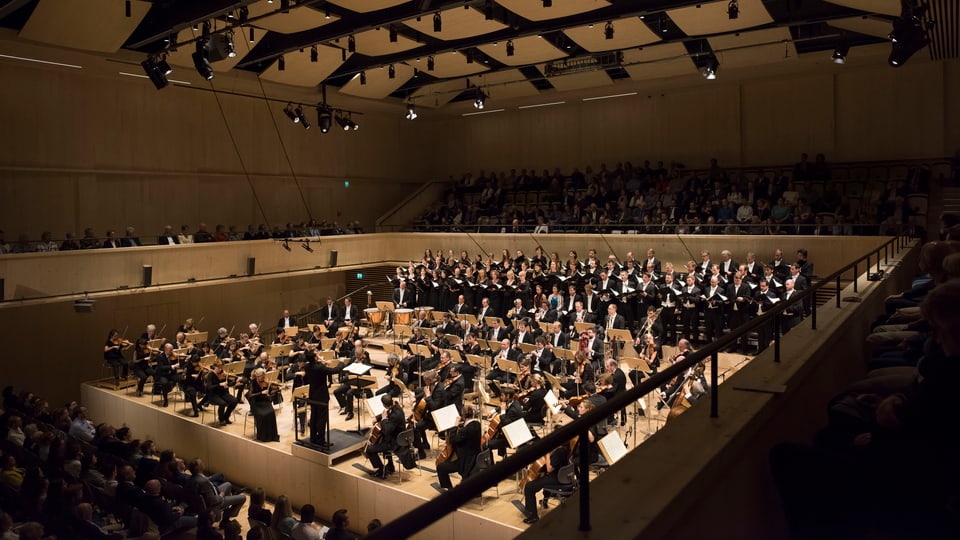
(470, 318)
(357, 370)
(291, 331)
(527, 348)
(612, 447)
(583, 326)
(623, 337)
(196, 337)
(545, 326)
(437, 316)
(641, 365)
(509, 366)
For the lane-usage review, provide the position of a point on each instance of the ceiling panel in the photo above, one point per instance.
(90, 25)
(870, 26)
(749, 49)
(658, 61)
(527, 50)
(300, 71)
(534, 10)
(297, 19)
(366, 6)
(377, 43)
(504, 84)
(886, 7)
(577, 81)
(712, 18)
(458, 23)
(449, 65)
(438, 94)
(631, 32)
(379, 84)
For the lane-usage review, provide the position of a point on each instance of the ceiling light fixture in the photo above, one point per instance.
(488, 10)
(353, 125)
(430, 63)
(363, 78)
(314, 54)
(284, 6)
(840, 53)
(154, 73)
(291, 114)
(481, 100)
(326, 11)
(351, 44)
(324, 117)
(206, 29)
(251, 35)
(733, 10)
(201, 60)
(393, 35)
(411, 112)
(128, 9)
(303, 119)
(228, 43)
(342, 122)
(608, 30)
(909, 33)
(281, 63)
(306, 245)
(710, 71)
(437, 22)
(392, 72)
(244, 14)
(510, 49)
(469, 55)
(547, 3)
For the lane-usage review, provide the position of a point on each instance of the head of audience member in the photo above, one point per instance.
(307, 513)
(340, 519)
(939, 308)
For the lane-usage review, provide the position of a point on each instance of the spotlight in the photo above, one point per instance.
(437, 22)
(481, 100)
(469, 55)
(164, 66)
(228, 43)
(201, 61)
(608, 30)
(127, 9)
(710, 71)
(244, 14)
(733, 9)
(351, 44)
(909, 35)
(547, 3)
(393, 35)
(155, 73)
(342, 122)
(840, 53)
(430, 63)
(392, 72)
(411, 112)
(206, 29)
(324, 118)
(510, 49)
(251, 35)
(488, 10)
(284, 6)
(363, 78)
(306, 246)
(286, 245)
(288, 110)
(303, 119)
(314, 55)
(351, 124)
(281, 64)
(326, 11)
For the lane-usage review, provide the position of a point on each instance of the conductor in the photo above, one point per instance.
(315, 374)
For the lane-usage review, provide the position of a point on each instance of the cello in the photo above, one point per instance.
(533, 470)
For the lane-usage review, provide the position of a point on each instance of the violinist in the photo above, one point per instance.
(216, 385)
(395, 383)
(647, 352)
(465, 439)
(261, 406)
(512, 411)
(221, 341)
(391, 423)
(150, 332)
(444, 365)
(141, 364)
(583, 373)
(181, 341)
(317, 335)
(165, 375)
(534, 405)
(187, 327)
(228, 353)
(192, 382)
(113, 354)
(254, 331)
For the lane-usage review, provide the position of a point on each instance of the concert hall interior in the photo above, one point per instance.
(89, 143)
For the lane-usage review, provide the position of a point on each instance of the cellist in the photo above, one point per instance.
(465, 439)
(512, 411)
(391, 423)
(558, 458)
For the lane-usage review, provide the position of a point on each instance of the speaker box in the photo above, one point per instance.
(251, 266)
(333, 258)
(147, 275)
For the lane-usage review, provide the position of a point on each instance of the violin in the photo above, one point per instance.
(120, 342)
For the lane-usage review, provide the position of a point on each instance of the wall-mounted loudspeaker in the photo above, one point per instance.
(333, 258)
(147, 275)
(251, 266)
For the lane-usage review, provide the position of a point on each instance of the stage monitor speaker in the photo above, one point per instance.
(147, 275)
(333, 258)
(251, 266)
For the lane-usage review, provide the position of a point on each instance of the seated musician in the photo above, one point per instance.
(317, 335)
(427, 399)
(512, 411)
(436, 345)
(465, 439)
(113, 354)
(346, 393)
(594, 434)
(583, 373)
(395, 383)
(165, 374)
(220, 341)
(331, 316)
(497, 374)
(549, 478)
(454, 386)
(413, 362)
(542, 357)
(391, 423)
(141, 364)
(216, 385)
(534, 406)
(193, 382)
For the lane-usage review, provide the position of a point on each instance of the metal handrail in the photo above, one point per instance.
(426, 514)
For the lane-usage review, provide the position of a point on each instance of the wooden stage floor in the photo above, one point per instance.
(280, 469)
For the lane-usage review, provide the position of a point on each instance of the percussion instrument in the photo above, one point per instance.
(428, 309)
(403, 316)
(374, 315)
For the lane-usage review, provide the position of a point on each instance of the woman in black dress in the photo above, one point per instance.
(261, 405)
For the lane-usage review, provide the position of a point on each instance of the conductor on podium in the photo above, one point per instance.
(316, 376)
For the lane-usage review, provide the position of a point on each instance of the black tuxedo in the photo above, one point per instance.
(498, 334)
(656, 265)
(690, 312)
(561, 340)
(406, 300)
(461, 309)
(165, 240)
(542, 360)
(728, 268)
(354, 313)
(619, 322)
(285, 322)
(466, 445)
(317, 374)
(570, 301)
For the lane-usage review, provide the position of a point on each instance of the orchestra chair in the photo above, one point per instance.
(247, 415)
(405, 440)
(265, 530)
(300, 411)
(484, 462)
(567, 475)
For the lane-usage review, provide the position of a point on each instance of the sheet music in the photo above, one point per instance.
(376, 406)
(612, 447)
(445, 417)
(517, 433)
(552, 402)
(357, 368)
